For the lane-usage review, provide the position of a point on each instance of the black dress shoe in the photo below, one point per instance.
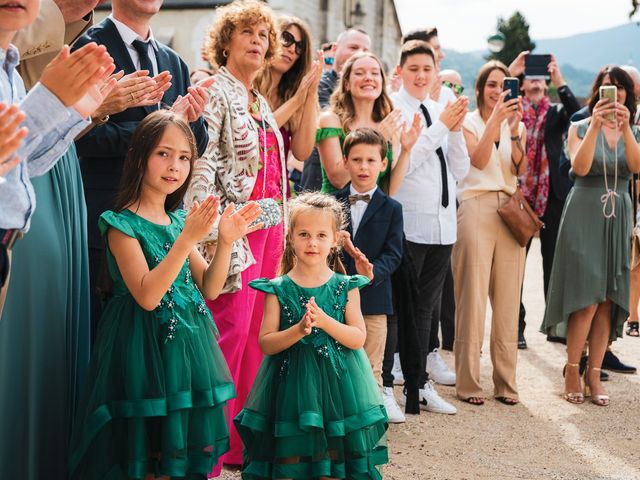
(522, 343)
(604, 376)
(553, 339)
(613, 363)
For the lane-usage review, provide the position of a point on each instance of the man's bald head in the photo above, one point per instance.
(349, 43)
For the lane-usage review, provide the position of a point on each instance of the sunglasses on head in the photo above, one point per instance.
(287, 39)
(457, 89)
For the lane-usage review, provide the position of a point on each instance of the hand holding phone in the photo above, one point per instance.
(610, 92)
(513, 85)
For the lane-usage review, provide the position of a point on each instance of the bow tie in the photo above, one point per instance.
(354, 198)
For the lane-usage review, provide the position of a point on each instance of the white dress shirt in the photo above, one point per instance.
(426, 221)
(446, 95)
(128, 36)
(358, 208)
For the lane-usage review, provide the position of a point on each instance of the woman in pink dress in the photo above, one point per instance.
(244, 161)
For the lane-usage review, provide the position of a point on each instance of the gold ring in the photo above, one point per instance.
(133, 99)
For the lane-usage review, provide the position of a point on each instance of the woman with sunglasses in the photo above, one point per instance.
(290, 85)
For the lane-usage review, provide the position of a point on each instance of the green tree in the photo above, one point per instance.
(516, 34)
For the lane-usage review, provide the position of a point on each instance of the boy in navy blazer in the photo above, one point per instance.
(375, 229)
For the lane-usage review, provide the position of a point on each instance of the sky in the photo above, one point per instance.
(464, 25)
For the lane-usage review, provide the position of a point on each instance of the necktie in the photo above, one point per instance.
(443, 163)
(354, 198)
(143, 54)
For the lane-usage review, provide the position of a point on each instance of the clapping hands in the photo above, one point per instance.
(362, 263)
(409, 136)
(11, 136)
(235, 225)
(191, 105)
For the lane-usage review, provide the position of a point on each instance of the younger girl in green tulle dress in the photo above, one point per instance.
(314, 411)
(154, 402)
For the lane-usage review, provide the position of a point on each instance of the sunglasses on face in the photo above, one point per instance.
(287, 39)
(457, 89)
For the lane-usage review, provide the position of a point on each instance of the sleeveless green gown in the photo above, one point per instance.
(315, 409)
(157, 383)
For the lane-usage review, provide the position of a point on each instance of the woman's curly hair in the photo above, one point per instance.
(236, 15)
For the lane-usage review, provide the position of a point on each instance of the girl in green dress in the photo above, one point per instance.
(314, 411)
(588, 294)
(158, 383)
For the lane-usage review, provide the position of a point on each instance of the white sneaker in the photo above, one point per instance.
(394, 414)
(396, 371)
(432, 402)
(438, 370)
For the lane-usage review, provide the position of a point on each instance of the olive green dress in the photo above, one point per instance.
(593, 253)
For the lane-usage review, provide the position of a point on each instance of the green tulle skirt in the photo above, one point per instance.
(152, 405)
(307, 417)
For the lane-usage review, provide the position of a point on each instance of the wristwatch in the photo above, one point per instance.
(100, 121)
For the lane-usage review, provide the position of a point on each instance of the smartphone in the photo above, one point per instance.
(328, 60)
(610, 92)
(513, 85)
(537, 66)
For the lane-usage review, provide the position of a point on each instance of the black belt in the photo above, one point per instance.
(8, 237)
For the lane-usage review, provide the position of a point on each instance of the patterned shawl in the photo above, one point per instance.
(535, 180)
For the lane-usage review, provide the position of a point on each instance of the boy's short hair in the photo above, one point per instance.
(415, 47)
(366, 136)
(424, 34)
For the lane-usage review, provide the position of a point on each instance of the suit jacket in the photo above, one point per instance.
(103, 149)
(555, 129)
(41, 41)
(380, 238)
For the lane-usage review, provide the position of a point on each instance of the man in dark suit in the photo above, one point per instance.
(543, 184)
(127, 35)
(375, 227)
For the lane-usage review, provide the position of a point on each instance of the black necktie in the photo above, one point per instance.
(354, 198)
(143, 54)
(443, 163)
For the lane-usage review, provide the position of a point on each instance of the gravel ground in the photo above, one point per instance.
(542, 438)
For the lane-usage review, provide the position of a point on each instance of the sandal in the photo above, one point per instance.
(508, 401)
(474, 400)
(577, 398)
(601, 400)
(632, 329)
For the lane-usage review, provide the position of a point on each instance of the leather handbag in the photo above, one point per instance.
(520, 218)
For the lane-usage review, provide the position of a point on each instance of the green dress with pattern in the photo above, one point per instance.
(593, 254)
(157, 383)
(315, 409)
(330, 132)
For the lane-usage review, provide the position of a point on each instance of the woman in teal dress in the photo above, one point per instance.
(44, 331)
(158, 383)
(314, 411)
(360, 100)
(589, 287)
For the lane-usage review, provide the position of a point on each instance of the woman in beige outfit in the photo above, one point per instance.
(487, 260)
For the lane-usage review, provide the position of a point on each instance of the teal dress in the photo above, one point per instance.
(329, 132)
(44, 330)
(593, 253)
(157, 383)
(315, 403)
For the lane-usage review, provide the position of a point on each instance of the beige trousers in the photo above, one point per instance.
(375, 342)
(487, 263)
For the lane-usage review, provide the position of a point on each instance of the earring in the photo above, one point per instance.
(225, 54)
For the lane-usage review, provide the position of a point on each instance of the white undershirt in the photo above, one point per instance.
(358, 208)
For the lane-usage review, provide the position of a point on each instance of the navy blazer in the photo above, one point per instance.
(103, 149)
(379, 237)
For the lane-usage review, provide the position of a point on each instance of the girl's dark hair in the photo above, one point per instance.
(143, 142)
(318, 202)
(619, 78)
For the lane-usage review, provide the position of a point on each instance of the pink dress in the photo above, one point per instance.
(238, 315)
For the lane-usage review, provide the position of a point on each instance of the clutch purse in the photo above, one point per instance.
(520, 218)
(271, 212)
